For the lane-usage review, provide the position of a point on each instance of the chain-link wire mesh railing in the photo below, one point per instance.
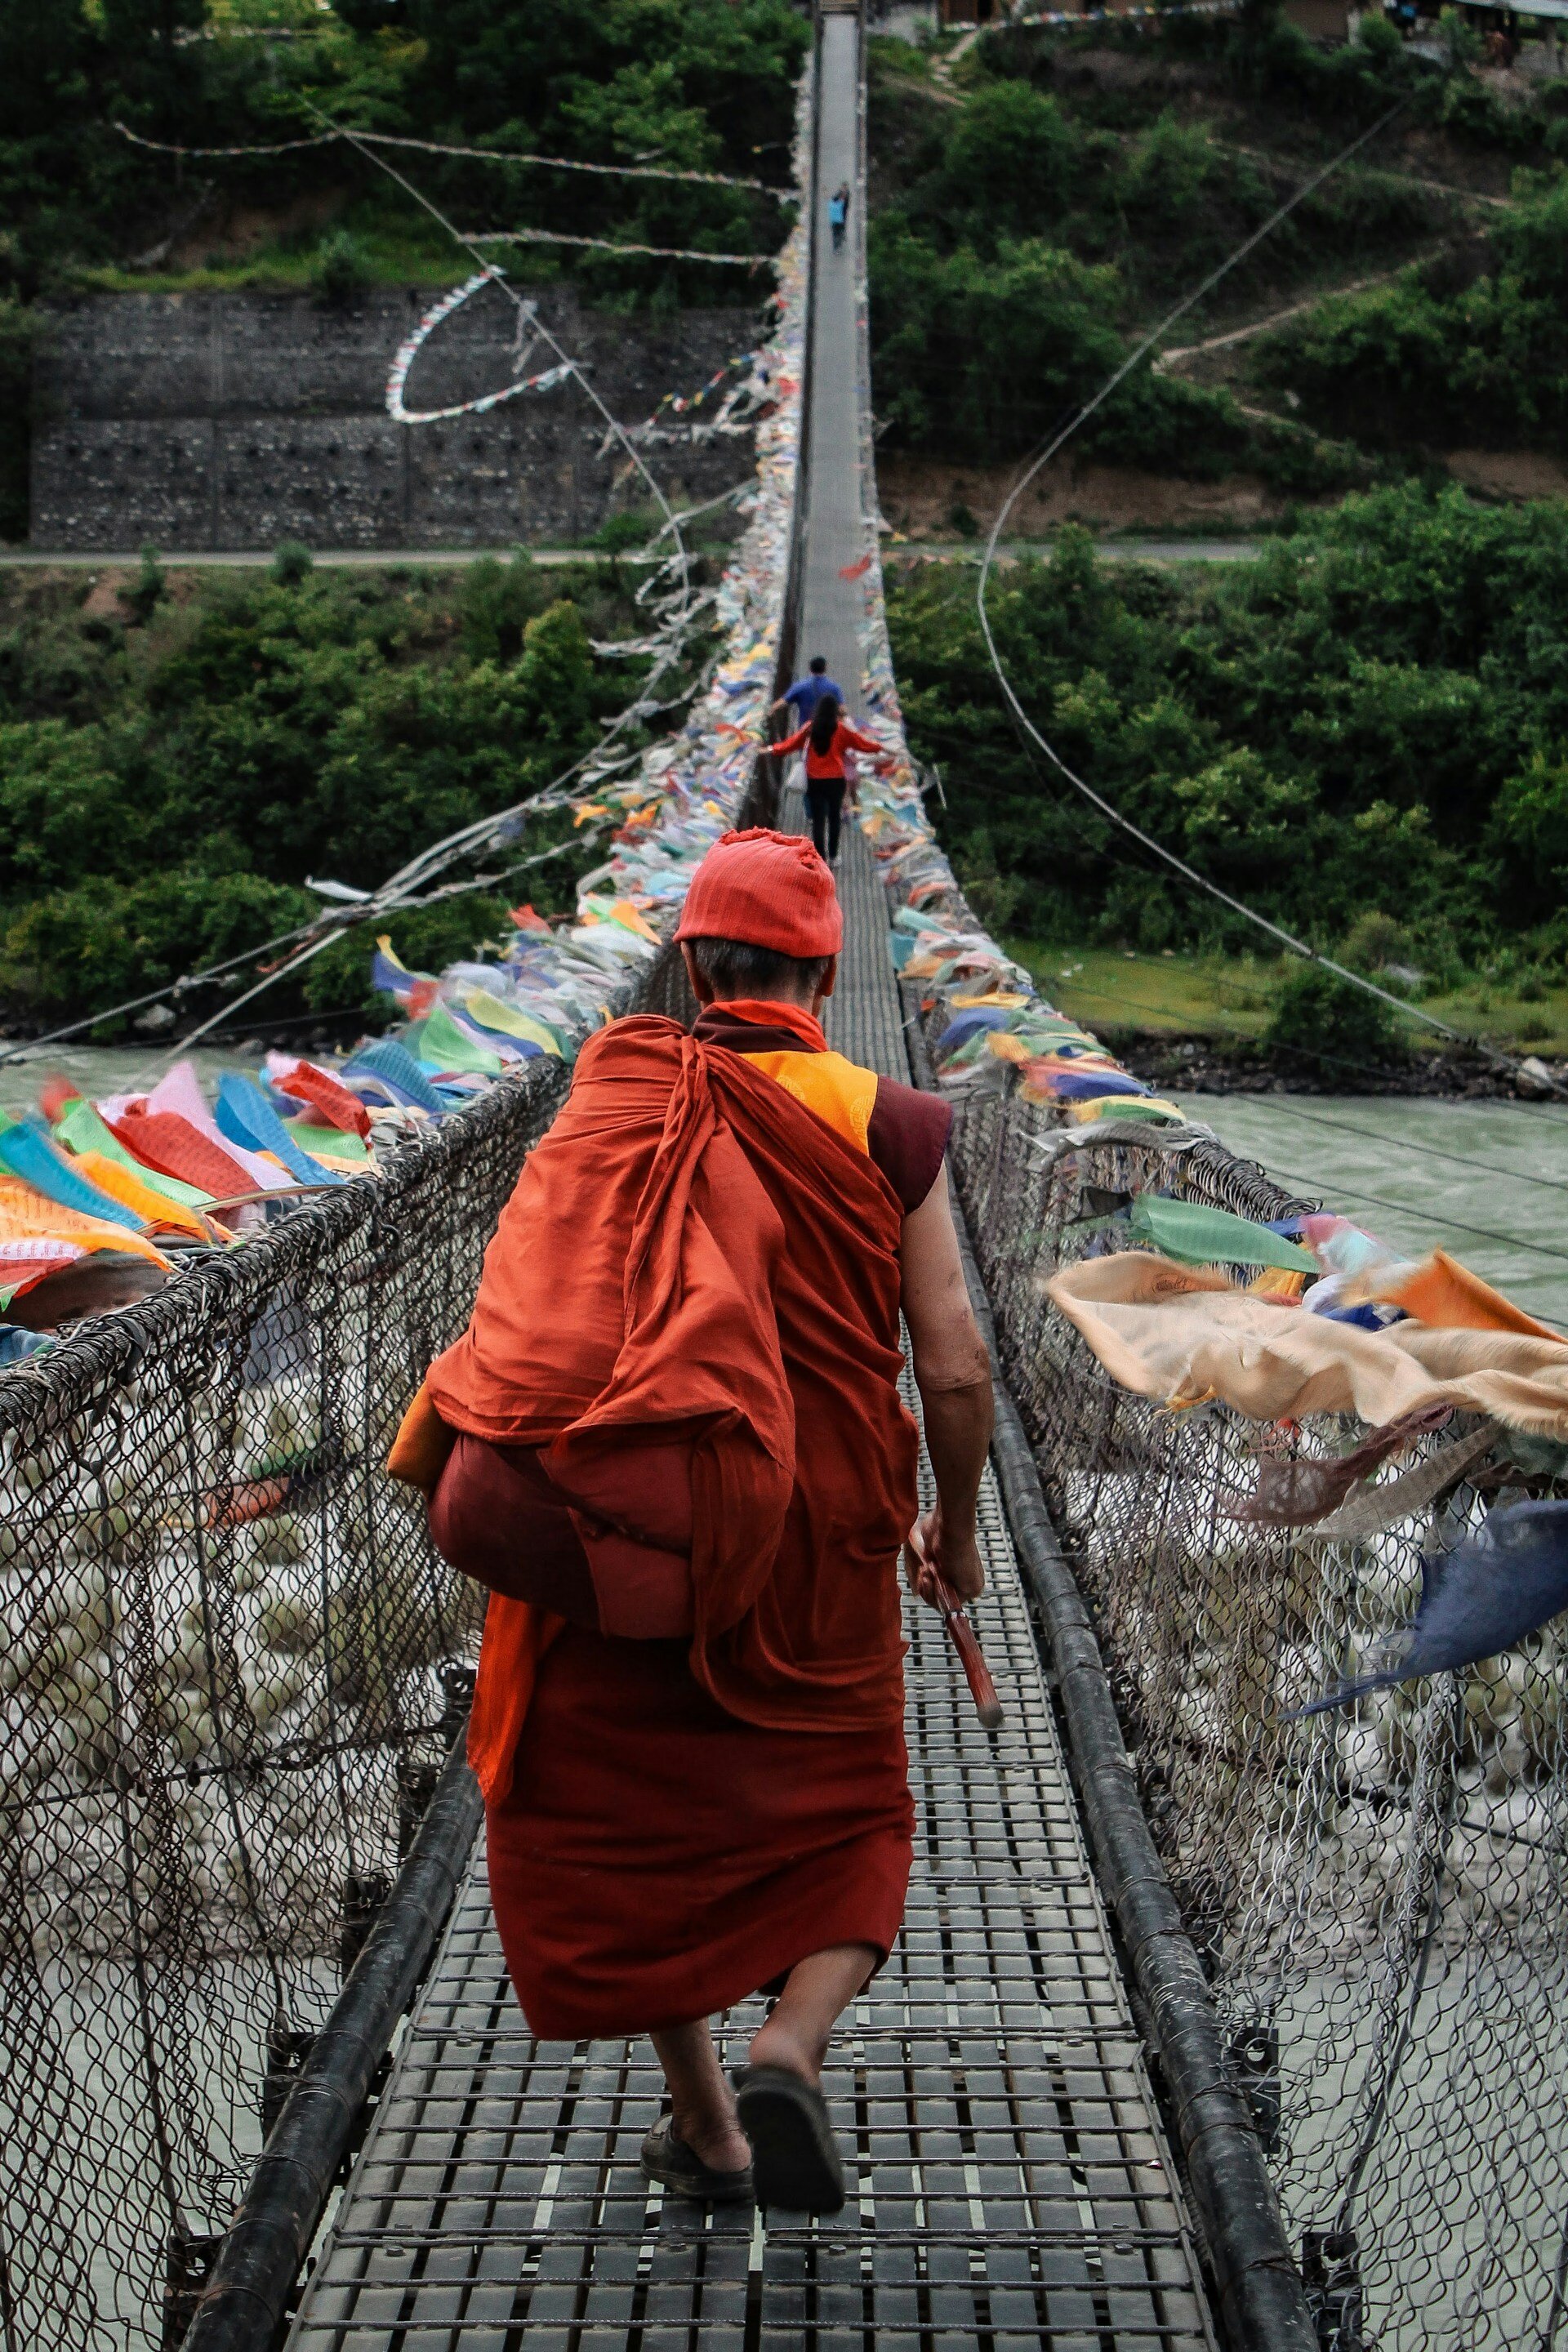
(1377, 1892)
(232, 1666)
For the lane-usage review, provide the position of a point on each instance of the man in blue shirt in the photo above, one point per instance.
(802, 699)
(808, 692)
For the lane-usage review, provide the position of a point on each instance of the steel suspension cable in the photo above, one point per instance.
(477, 154)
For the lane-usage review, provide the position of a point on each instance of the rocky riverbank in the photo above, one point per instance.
(1200, 1064)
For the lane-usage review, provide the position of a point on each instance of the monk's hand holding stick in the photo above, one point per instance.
(923, 1550)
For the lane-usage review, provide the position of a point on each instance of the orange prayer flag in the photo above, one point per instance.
(26, 1217)
(1443, 1291)
(154, 1208)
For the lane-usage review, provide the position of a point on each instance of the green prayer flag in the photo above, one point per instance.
(1195, 1236)
(82, 1129)
(444, 1046)
(333, 1141)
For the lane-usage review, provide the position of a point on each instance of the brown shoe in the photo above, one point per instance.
(667, 2158)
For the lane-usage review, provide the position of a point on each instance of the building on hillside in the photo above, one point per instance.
(1323, 20)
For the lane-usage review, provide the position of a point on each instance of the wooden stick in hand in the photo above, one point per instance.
(963, 1637)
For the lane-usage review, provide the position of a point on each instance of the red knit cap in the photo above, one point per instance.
(770, 889)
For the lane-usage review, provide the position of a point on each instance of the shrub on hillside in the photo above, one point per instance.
(292, 563)
(707, 85)
(1528, 833)
(339, 270)
(1374, 713)
(1327, 1027)
(149, 588)
(101, 943)
(1015, 247)
(1374, 941)
(978, 358)
(1405, 362)
(160, 811)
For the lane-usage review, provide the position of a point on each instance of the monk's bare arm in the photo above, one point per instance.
(952, 1373)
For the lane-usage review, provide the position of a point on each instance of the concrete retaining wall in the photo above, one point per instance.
(231, 421)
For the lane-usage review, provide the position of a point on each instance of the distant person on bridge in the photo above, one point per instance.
(828, 738)
(802, 697)
(806, 692)
(672, 1443)
(838, 213)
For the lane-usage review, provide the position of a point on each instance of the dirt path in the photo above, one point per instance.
(1285, 169)
(1173, 358)
(933, 500)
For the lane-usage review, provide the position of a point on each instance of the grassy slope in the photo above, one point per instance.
(393, 246)
(1121, 995)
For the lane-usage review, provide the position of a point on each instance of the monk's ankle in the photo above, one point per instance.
(718, 2139)
(776, 2043)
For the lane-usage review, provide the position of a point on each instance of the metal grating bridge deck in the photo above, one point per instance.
(1010, 2184)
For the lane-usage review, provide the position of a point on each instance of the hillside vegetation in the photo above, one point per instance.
(1370, 721)
(689, 85)
(1056, 193)
(1425, 362)
(171, 769)
(1363, 735)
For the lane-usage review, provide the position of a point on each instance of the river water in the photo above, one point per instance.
(1486, 1180)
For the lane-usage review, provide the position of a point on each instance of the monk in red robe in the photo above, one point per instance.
(671, 1440)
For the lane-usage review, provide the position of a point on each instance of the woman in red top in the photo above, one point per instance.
(831, 736)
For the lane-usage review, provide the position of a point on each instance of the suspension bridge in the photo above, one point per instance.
(1242, 2039)
(1013, 2179)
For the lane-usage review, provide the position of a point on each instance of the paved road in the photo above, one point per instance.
(356, 559)
(1130, 551)
(373, 559)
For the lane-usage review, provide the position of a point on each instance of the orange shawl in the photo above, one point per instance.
(693, 1255)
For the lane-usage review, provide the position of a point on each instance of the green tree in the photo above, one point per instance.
(1326, 1026)
(1008, 165)
(1409, 362)
(1528, 833)
(1375, 710)
(978, 358)
(335, 727)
